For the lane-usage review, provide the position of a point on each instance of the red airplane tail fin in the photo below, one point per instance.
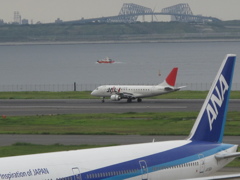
(172, 76)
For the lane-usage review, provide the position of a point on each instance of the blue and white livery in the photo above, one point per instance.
(202, 154)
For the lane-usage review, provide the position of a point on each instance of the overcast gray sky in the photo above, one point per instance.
(49, 10)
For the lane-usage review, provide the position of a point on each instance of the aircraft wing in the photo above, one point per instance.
(125, 94)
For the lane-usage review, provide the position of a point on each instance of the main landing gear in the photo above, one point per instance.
(103, 99)
(129, 100)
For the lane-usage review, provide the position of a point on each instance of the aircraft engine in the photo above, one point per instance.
(115, 97)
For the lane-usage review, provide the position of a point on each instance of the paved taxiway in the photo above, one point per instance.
(9, 139)
(69, 106)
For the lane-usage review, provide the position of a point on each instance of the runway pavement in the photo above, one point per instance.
(75, 106)
(9, 139)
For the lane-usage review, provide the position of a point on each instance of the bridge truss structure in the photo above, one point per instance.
(130, 13)
(183, 13)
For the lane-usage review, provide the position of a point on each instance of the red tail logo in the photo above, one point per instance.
(171, 79)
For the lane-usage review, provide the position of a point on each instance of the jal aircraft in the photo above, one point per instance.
(198, 156)
(131, 92)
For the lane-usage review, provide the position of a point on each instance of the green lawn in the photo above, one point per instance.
(87, 95)
(167, 123)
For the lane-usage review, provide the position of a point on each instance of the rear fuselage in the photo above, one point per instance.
(156, 160)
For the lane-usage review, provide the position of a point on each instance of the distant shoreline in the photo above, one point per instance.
(118, 42)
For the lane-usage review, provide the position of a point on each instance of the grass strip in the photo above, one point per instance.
(167, 123)
(86, 95)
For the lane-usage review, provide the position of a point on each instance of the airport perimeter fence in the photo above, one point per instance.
(90, 87)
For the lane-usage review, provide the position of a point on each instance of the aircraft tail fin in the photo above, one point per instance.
(171, 78)
(210, 123)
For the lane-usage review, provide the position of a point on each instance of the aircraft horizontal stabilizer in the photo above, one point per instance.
(231, 176)
(229, 155)
(181, 87)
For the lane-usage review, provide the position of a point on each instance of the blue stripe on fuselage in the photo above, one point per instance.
(173, 157)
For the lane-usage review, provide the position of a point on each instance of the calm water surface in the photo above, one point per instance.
(137, 63)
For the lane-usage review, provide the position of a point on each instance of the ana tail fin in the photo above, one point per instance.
(171, 78)
(210, 123)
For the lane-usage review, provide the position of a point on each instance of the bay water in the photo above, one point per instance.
(136, 63)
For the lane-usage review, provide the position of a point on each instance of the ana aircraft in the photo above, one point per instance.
(201, 154)
(131, 92)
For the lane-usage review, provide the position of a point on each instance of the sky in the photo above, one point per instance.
(47, 11)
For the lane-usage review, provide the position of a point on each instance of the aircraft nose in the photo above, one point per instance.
(93, 92)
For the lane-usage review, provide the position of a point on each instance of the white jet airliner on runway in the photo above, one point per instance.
(201, 154)
(130, 92)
